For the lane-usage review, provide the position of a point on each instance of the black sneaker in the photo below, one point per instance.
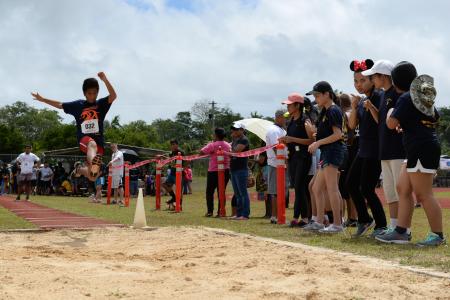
(350, 223)
(302, 224)
(18, 198)
(363, 228)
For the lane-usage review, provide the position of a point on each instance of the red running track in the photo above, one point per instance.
(49, 218)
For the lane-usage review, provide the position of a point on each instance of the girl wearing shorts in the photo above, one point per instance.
(417, 117)
(329, 139)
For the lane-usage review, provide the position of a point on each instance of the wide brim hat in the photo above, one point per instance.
(423, 94)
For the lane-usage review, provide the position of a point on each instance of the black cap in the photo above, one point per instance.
(403, 75)
(321, 87)
(174, 142)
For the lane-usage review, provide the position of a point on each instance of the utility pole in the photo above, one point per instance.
(212, 113)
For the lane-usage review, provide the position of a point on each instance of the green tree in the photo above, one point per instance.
(31, 122)
(11, 139)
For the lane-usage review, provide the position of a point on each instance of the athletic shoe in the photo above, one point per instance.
(363, 228)
(332, 229)
(393, 237)
(350, 223)
(242, 219)
(273, 220)
(314, 226)
(432, 240)
(18, 198)
(208, 215)
(377, 232)
(302, 224)
(294, 223)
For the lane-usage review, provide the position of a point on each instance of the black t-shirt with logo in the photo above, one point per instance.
(329, 118)
(239, 163)
(368, 128)
(390, 141)
(89, 117)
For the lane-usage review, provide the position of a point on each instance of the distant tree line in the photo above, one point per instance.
(22, 124)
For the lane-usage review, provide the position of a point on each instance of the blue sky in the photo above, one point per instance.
(164, 55)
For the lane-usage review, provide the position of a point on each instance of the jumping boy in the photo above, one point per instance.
(89, 115)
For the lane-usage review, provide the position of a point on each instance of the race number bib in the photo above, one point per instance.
(90, 126)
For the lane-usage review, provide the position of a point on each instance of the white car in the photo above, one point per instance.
(444, 163)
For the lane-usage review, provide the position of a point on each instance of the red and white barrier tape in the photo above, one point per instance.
(198, 156)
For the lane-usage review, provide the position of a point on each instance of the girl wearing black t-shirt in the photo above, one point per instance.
(329, 139)
(416, 115)
(365, 171)
(298, 137)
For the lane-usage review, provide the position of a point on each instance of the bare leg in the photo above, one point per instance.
(116, 191)
(406, 201)
(319, 185)
(313, 196)
(393, 210)
(274, 206)
(333, 193)
(351, 210)
(85, 171)
(121, 194)
(422, 184)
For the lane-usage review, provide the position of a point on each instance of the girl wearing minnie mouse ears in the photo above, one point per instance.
(365, 170)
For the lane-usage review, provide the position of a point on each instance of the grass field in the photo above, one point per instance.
(195, 207)
(9, 220)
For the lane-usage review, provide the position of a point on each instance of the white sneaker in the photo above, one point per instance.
(314, 226)
(332, 229)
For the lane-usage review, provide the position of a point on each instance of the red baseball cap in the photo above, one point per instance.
(294, 98)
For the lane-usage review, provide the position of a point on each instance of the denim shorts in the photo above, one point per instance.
(332, 155)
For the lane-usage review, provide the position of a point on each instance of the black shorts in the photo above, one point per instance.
(423, 158)
(332, 155)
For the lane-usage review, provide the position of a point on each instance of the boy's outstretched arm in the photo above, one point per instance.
(111, 91)
(53, 103)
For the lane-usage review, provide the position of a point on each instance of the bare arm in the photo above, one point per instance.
(336, 136)
(239, 148)
(54, 103)
(291, 139)
(353, 119)
(310, 131)
(391, 122)
(111, 91)
(373, 110)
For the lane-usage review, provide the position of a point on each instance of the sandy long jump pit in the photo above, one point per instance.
(194, 263)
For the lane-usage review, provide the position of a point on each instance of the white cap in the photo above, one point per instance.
(238, 125)
(380, 67)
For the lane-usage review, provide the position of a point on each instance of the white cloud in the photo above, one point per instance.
(248, 54)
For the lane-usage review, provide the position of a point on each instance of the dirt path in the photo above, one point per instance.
(189, 263)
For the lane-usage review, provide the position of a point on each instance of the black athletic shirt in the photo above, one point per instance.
(296, 128)
(239, 163)
(368, 128)
(418, 129)
(89, 117)
(329, 118)
(390, 141)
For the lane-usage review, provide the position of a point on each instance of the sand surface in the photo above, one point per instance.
(188, 263)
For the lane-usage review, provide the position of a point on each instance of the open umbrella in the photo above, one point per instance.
(130, 155)
(256, 126)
